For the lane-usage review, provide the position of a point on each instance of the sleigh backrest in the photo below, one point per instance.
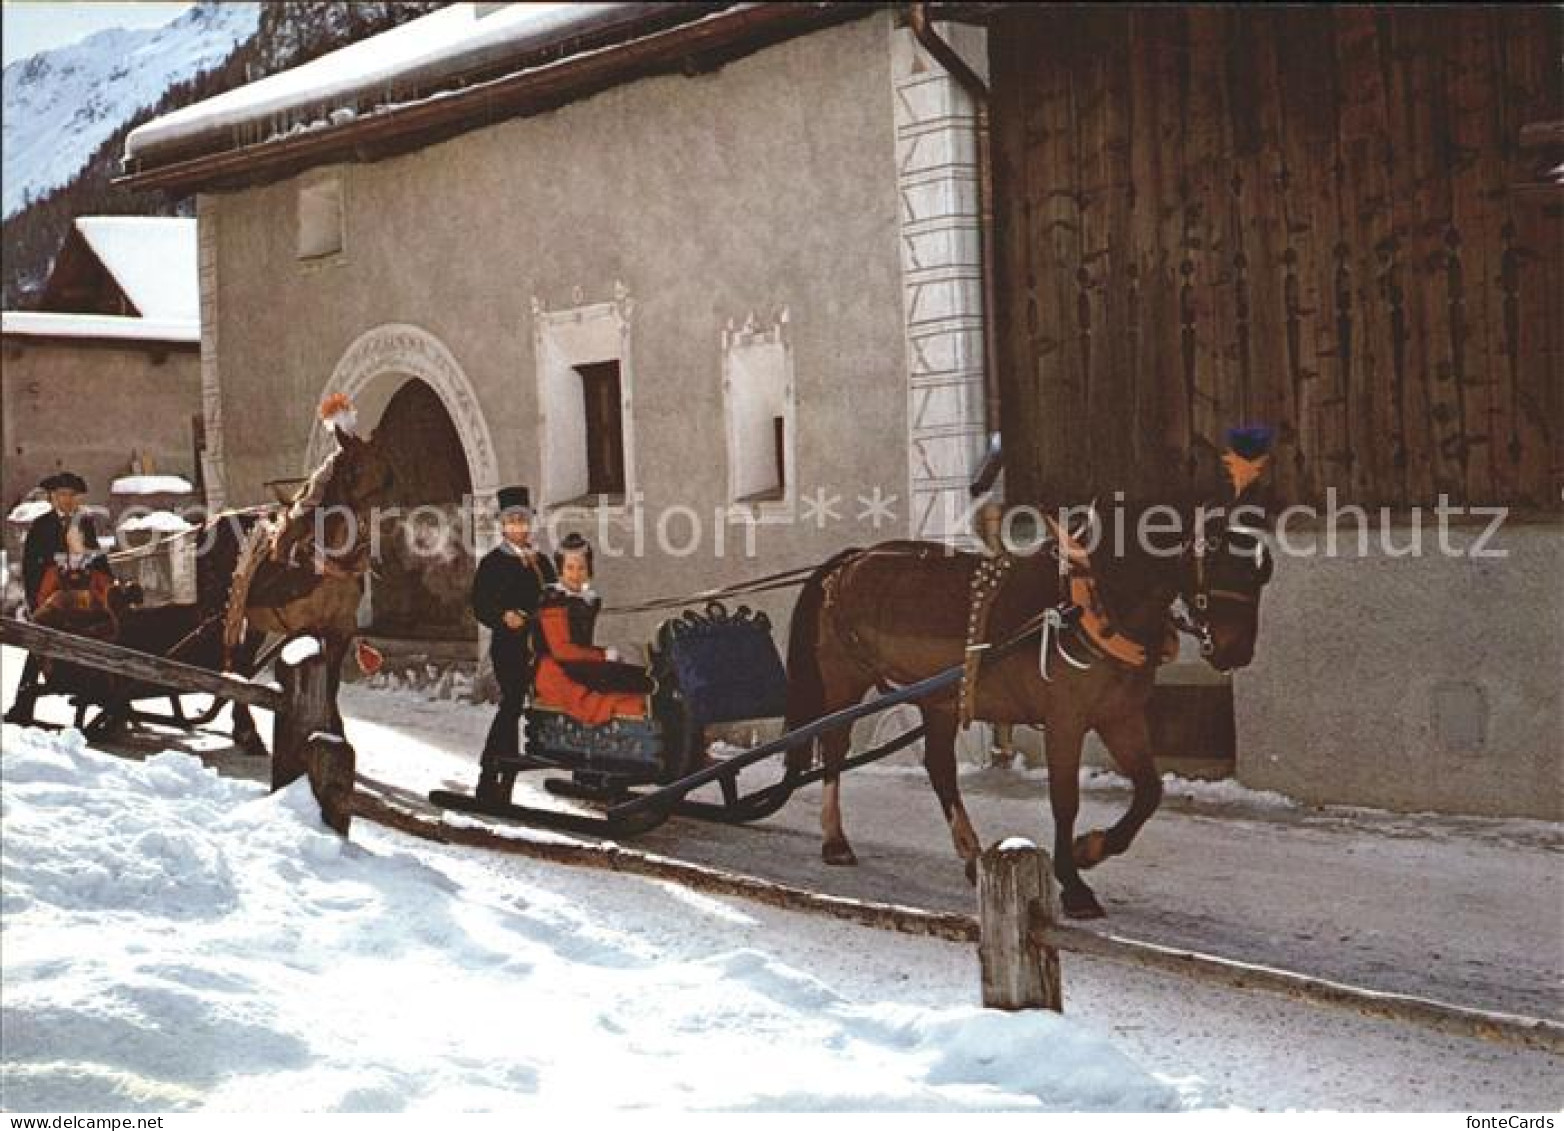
(725, 664)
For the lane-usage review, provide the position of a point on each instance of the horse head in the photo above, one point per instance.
(363, 475)
(1227, 563)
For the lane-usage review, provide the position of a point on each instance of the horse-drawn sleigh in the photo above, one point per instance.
(1069, 637)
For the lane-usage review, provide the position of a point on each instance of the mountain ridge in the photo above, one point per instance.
(284, 36)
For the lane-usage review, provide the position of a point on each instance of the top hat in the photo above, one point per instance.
(64, 481)
(515, 499)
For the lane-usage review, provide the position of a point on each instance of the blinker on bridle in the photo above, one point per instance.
(1198, 625)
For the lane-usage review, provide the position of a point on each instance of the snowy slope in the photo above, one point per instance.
(60, 105)
(174, 940)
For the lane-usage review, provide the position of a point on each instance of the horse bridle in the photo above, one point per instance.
(1202, 594)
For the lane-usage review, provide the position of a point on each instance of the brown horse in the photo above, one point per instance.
(245, 593)
(305, 576)
(899, 612)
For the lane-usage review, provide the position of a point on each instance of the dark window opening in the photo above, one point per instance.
(604, 428)
(779, 457)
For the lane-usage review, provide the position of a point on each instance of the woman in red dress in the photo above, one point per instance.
(574, 675)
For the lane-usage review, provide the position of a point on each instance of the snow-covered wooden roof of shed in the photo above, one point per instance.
(415, 60)
(100, 327)
(152, 258)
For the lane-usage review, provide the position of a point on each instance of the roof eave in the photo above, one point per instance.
(689, 48)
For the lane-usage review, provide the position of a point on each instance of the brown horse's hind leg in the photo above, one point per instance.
(939, 760)
(841, 686)
(1129, 741)
(1064, 795)
(834, 848)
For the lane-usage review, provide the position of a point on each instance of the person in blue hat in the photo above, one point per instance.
(506, 590)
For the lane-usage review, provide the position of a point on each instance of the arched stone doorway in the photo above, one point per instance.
(424, 572)
(403, 377)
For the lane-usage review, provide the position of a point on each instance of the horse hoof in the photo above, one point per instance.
(839, 852)
(1090, 849)
(1080, 903)
(971, 870)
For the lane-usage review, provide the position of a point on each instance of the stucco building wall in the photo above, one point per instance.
(1412, 683)
(766, 186)
(86, 408)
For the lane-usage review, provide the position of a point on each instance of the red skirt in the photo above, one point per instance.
(553, 687)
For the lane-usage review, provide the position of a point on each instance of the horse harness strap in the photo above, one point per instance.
(857, 650)
(1101, 635)
(250, 557)
(987, 580)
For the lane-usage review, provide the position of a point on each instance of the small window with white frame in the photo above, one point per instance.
(757, 388)
(584, 401)
(321, 216)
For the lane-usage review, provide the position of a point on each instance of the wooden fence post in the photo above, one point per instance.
(1016, 890)
(332, 764)
(306, 708)
(305, 742)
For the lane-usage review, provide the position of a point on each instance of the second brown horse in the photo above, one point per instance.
(896, 613)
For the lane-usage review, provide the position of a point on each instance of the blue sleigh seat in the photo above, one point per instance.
(710, 667)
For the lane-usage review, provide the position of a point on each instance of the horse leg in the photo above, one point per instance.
(841, 685)
(1063, 745)
(834, 848)
(939, 761)
(1129, 741)
(246, 736)
(336, 653)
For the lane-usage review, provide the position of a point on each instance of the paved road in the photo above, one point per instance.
(1469, 911)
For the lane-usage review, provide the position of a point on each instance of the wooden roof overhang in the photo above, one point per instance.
(690, 48)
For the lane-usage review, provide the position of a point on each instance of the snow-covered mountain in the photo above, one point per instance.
(60, 105)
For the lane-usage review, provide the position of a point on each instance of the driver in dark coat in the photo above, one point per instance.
(64, 536)
(506, 590)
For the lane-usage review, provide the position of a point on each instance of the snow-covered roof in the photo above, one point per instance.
(151, 485)
(152, 258)
(28, 510)
(163, 522)
(455, 40)
(99, 326)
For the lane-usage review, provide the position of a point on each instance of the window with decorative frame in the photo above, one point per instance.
(584, 376)
(758, 399)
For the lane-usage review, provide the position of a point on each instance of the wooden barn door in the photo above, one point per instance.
(1325, 219)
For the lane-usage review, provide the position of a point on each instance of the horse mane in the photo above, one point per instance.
(217, 558)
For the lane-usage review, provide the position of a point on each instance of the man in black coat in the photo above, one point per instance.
(506, 590)
(63, 531)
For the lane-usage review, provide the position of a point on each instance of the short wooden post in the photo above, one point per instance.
(305, 709)
(331, 763)
(1015, 895)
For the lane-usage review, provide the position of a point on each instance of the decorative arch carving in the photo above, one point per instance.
(400, 349)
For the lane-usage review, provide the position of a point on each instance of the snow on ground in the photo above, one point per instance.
(176, 940)
(1390, 893)
(1225, 791)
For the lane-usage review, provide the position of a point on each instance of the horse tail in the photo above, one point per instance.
(805, 681)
